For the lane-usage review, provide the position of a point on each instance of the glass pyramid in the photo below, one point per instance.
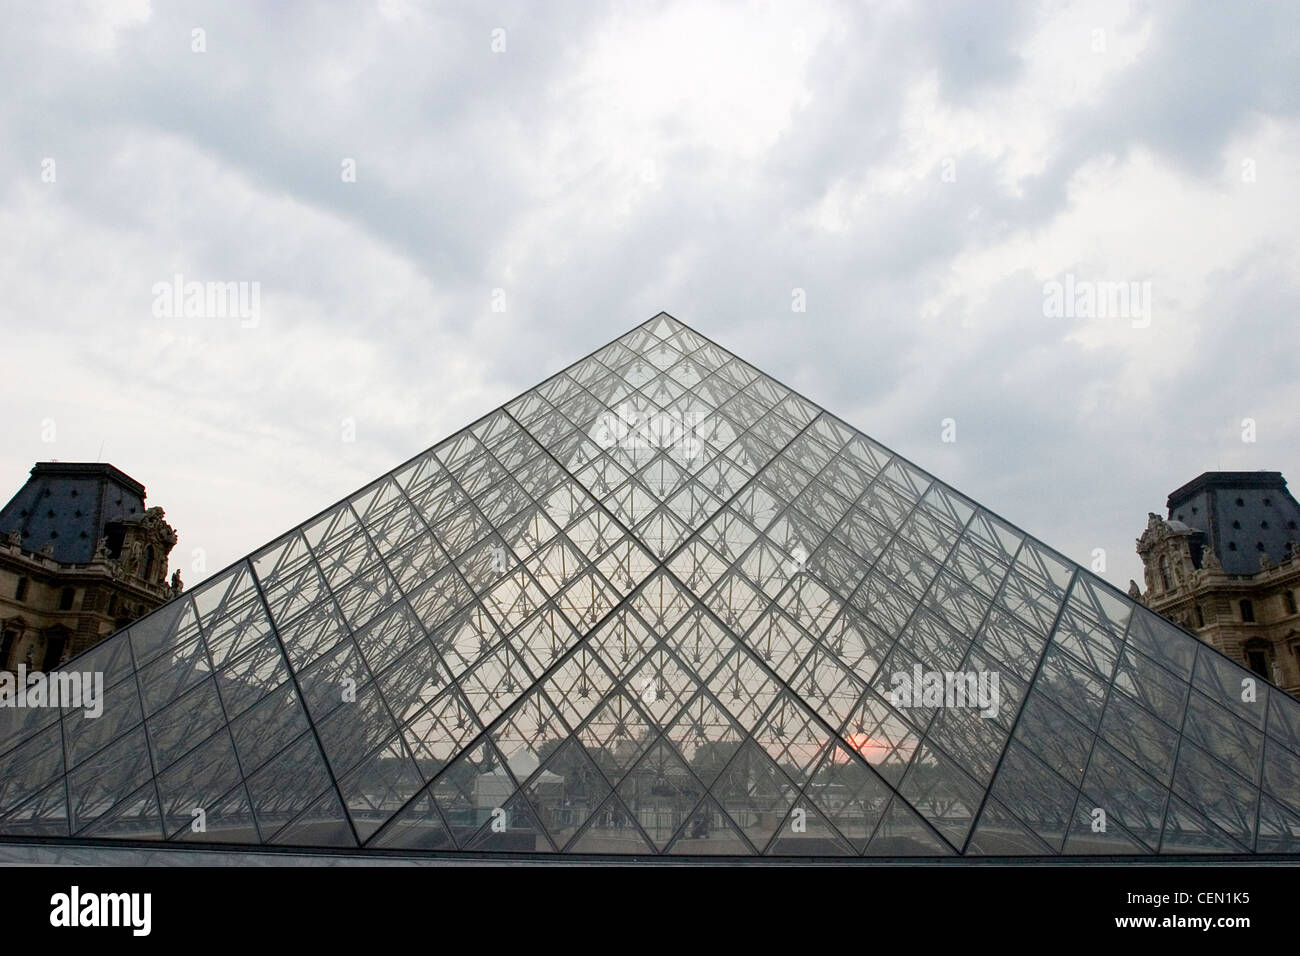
(661, 604)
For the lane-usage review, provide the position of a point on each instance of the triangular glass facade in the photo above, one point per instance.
(661, 604)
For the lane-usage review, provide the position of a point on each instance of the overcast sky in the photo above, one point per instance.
(921, 172)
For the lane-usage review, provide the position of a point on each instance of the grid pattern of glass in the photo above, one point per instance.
(661, 604)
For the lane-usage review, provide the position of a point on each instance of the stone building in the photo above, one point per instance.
(1225, 565)
(80, 557)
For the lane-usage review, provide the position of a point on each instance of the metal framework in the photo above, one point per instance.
(660, 604)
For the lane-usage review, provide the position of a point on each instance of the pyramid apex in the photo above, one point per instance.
(585, 614)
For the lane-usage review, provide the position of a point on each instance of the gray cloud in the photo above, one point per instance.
(595, 197)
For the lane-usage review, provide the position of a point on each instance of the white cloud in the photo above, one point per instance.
(699, 158)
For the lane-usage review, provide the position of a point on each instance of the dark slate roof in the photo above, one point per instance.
(68, 504)
(1243, 514)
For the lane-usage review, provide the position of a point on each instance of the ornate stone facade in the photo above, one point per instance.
(1251, 617)
(53, 605)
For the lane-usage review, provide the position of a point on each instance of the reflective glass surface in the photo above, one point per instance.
(661, 604)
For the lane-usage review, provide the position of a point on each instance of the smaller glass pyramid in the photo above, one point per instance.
(660, 604)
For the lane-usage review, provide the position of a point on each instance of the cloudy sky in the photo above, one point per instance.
(442, 204)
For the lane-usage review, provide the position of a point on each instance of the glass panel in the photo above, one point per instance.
(942, 793)
(616, 735)
(416, 678)
(805, 833)
(172, 673)
(288, 785)
(1125, 795)
(1152, 686)
(1161, 641)
(1187, 831)
(1056, 738)
(1233, 742)
(754, 794)
(96, 787)
(174, 730)
(321, 824)
(268, 726)
(661, 792)
(699, 646)
(1284, 720)
(46, 814)
(903, 833)
(794, 738)
(252, 676)
(135, 818)
(565, 792)
(438, 732)
(1282, 774)
(1073, 686)
(612, 829)
(85, 732)
(877, 733)
(379, 787)
(1089, 837)
(194, 787)
(355, 729)
(1001, 834)
(1241, 691)
(1279, 828)
(228, 820)
(1035, 795)
(30, 767)
(1218, 793)
(174, 623)
(1140, 737)
(22, 723)
(513, 828)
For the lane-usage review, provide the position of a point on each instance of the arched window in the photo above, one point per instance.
(20, 592)
(1200, 617)
(1247, 611)
(1164, 573)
